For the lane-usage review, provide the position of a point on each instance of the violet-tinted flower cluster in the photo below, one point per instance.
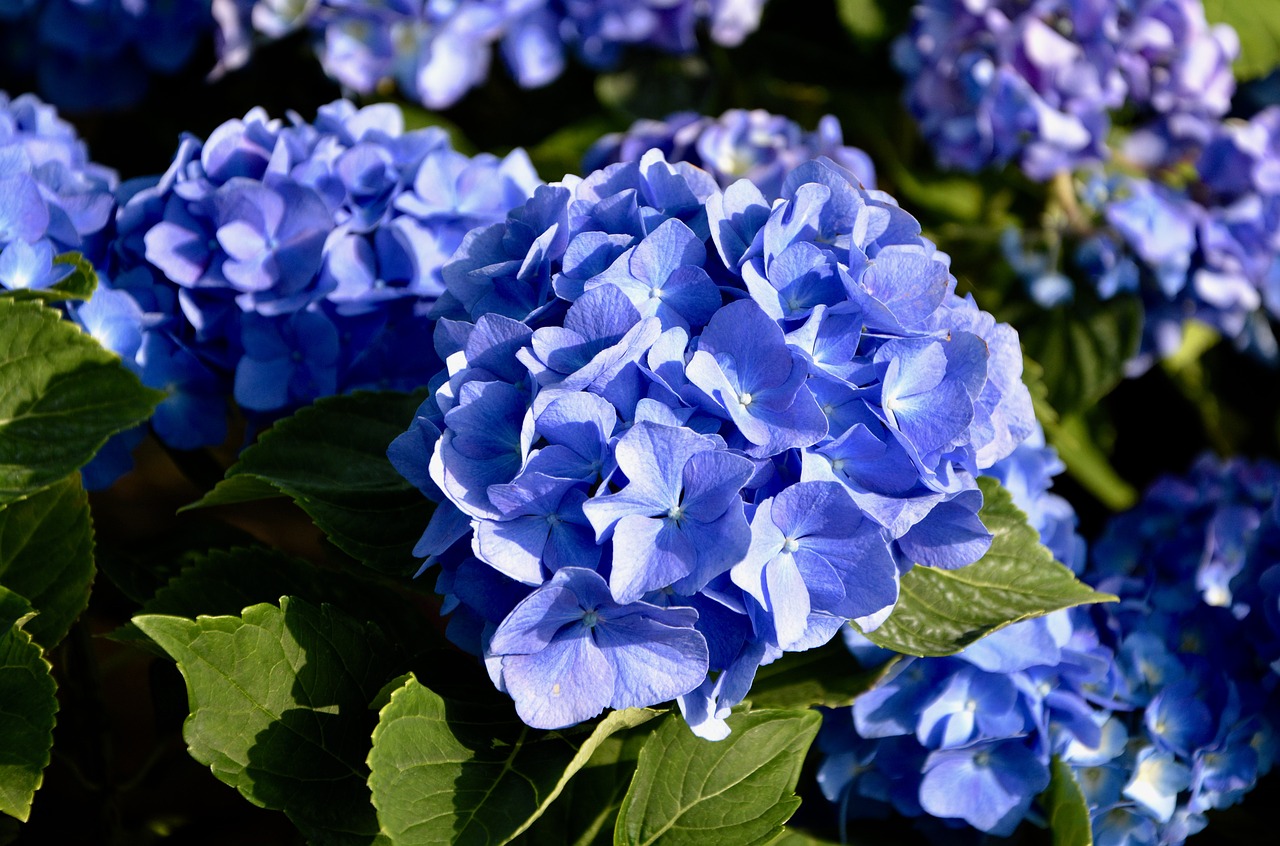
(281, 262)
(683, 430)
(994, 81)
(98, 55)
(1207, 249)
(754, 145)
(1163, 704)
(53, 199)
(437, 51)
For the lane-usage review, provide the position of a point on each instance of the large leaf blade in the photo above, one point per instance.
(61, 396)
(737, 790)
(439, 774)
(28, 705)
(1258, 26)
(330, 458)
(939, 612)
(279, 709)
(46, 554)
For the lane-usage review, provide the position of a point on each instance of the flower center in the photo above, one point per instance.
(791, 545)
(590, 618)
(745, 398)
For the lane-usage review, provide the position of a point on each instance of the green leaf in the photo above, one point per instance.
(1083, 347)
(1066, 806)
(562, 151)
(862, 18)
(331, 459)
(61, 396)
(795, 837)
(587, 810)
(28, 706)
(46, 554)
(940, 612)
(827, 676)
(442, 773)
(221, 582)
(80, 285)
(1258, 25)
(1087, 463)
(951, 197)
(738, 790)
(279, 709)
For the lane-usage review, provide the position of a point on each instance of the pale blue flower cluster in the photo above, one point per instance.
(995, 81)
(281, 261)
(98, 55)
(969, 738)
(437, 51)
(1162, 704)
(754, 145)
(683, 430)
(53, 199)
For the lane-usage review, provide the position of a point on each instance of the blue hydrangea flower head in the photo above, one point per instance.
(53, 198)
(754, 145)
(1161, 703)
(278, 262)
(437, 52)
(706, 403)
(1036, 83)
(99, 55)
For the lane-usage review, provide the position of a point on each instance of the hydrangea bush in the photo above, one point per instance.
(471, 508)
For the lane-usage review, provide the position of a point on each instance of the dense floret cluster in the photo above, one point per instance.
(53, 199)
(436, 52)
(1162, 704)
(996, 81)
(98, 55)
(280, 262)
(683, 430)
(753, 145)
(969, 738)
(1205, 248)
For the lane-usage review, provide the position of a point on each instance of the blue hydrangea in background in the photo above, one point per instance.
(53, 198)
(278, 262)
(1162, 704)
(1203, 248)
(1035, 83)
(740, 144)
(686, 428)
(99, 55)
(436, 52)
